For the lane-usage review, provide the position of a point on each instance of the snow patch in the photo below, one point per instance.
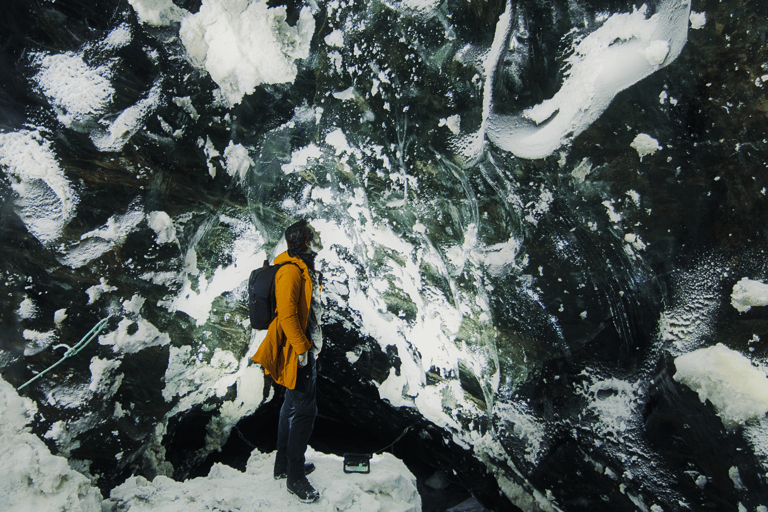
(243, 44)
(645, 145)
(33, 478)
(748, 294)
(389, 487)
(737, 389)
(44, 198)
(698, 20)
(77, 92)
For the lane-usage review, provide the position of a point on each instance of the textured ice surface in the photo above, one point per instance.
(45, 199)
(459, 275)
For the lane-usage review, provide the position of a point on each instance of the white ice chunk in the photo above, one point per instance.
(698, 20)
(102, 381)
(59, 316)
(27, 309)
(95, 291)
(453, 123)
(186, 104)
(300, 158)
(645, 145)
(237, 160)
(128, 122)
(243, 44)
(335, 39)
(748, 294)
(158, 13)
(162, 225)
(737, 389)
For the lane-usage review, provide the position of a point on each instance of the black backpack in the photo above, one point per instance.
(262, 302)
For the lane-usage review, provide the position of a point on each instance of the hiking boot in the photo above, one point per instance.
(281, 475)
(303, 490)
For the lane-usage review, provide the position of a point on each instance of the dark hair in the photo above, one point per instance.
(298, 236)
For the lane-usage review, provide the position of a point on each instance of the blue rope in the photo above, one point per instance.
(71, 351)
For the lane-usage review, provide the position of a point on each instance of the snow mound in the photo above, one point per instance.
(33, 478)
(389, 487)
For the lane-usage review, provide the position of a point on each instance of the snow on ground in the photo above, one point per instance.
(32, 479)
(388, 487)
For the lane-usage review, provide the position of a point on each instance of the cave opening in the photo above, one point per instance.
(337, 432)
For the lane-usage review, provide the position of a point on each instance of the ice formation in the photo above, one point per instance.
(45, 199)
(625, 49)
(748, 294)
(244, 43)
(737, 389)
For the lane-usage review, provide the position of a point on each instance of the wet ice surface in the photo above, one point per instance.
(520, 271)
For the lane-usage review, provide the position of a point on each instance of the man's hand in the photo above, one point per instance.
(303, 359)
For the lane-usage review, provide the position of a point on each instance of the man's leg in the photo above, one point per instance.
(304, 402)
(305, 411)
(287, 412)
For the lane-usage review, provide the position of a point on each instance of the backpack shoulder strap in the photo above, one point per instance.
(272, 294)
(281, 265)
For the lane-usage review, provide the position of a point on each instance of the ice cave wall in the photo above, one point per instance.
(531, 210)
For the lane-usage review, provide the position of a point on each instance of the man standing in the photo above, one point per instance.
(288, 354)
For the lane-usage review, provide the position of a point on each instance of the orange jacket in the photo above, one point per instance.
(286, 338)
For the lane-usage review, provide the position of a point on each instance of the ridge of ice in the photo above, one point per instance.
(625, 49)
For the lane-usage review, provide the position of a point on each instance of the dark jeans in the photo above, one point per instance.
(297, 418)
